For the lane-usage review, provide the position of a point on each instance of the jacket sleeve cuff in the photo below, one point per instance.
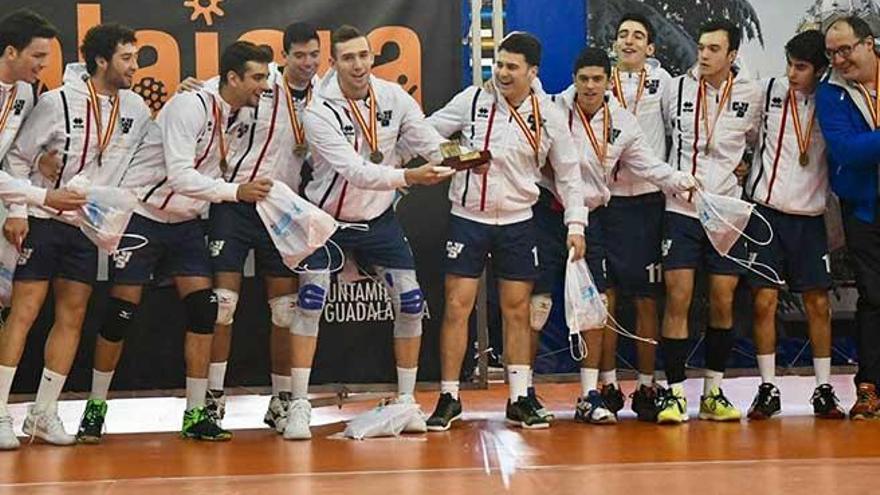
(36, 196)
(229, 192)
(18, 211)
(576, 229)
(577, 214)
(399, 178)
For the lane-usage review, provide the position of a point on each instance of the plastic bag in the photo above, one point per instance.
(297, 227)
(584, 309)
(383, 421)
(8, 262)
(105, 216)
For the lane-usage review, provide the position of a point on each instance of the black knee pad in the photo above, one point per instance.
(119, 317)
(201, 311)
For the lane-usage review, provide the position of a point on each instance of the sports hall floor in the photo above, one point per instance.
(794, 453)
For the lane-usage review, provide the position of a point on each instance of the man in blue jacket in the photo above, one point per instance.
(848, 107)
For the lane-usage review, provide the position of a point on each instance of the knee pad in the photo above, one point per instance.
(310, 303)
(407, 299)
(539, 311)
(282, 310)
(120, 315)
(227, 300)
(201, 311)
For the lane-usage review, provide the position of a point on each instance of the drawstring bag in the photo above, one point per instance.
(725, 219)
(384, 421)
(105, 216)
(8, 262)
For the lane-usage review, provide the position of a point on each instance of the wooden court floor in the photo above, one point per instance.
(790, 454)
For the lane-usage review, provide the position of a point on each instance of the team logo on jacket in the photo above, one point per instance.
(384, 117)
(125, 123)
(18, 107)
(78, 123)
(215, 247)
(454, 249)
(687, 107)
(652, 85)
(531, 121)
(483, 113)
(740, 107)
(613, 135)
(776, 102)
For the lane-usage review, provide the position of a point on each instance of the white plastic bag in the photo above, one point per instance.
(8, 262)
(105, 216)
(584, 309)
(383, 421)
(297, 227)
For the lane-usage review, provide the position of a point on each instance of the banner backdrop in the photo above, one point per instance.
(416, 44)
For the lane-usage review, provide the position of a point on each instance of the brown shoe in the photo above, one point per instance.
(867, 404)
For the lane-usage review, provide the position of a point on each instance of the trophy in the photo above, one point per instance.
(459, 158)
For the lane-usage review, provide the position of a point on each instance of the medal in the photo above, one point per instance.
(103, 137)
(600, 150)
(377, 157)
(371, 132)
(803, 141)
(703, 97)
(617, 89)
(873, 104)
(221, 137)
(7, 107)
(533, 139)
(804, 160)
(299, 131)
(301, 150)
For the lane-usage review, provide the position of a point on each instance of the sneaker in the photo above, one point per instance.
(299, 416)
(276, 415)
(672, 407)
(592, 409)
(826, 404)
(448, 410)
(524, 414)
(716, 407)
(8, 440)
(215, 404)
(47, 426)
(200, 424)
(417, 424)
(766, 403)
(644, 402)
(543, 411)
(867, 403)
(613, 398)
(91, 426)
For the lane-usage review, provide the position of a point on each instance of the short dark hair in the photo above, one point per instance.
(299, 32)
(592, 57)
(734, 33)
(641, 19)
(808, 46)
(524, 44)
(20, 27)
(341, 35)
(236, 56)
(101, 41)
(860, 27)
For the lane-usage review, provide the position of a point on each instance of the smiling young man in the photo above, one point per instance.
(789, 183)
(90, 126)
(713, 113)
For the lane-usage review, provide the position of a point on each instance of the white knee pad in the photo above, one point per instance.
(227, 300)
(312, 296)
(407, 299)
(282, 310)
(539, 311)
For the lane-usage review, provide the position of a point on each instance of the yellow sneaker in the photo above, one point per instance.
(673, 407)
(716, 407)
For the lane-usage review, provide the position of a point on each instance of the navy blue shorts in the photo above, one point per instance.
(686, 246)
(172, 250)
(798, 251)
(513, 249)
(233, 230)
(553, 236)
(634, 227)
(54, 249)
(383, 245)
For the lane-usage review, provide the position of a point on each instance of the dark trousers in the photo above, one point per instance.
(863, 244)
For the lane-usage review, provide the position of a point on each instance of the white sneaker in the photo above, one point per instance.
(276, 415)
(47, 426)
(299, 416)
(8, 440)
(415, 425)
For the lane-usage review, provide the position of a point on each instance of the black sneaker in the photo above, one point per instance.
(448, 410)
(613, 398)
(91, 426)
(766, 403)
(543, 411)
(215, 404)
(199, 424)
(645, 402)
(825, 403)
(524, 414)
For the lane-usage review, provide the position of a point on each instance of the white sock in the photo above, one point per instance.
(450, 388)
(280, 383)
(822, 368)
(406, 380)
(589, 380)
(50, 388)
(196, 388)
(518, 376)
(713, 379)
(7, 373)
(531, 378)
(216, 375)
(299, 378)
(767, 367)
(100, 384)
(608, 377)
(645, 380)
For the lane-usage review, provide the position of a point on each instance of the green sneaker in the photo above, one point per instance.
(198, 424)
(524, 413)
(91, 426)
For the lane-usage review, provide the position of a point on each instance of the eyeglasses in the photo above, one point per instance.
(844, 51)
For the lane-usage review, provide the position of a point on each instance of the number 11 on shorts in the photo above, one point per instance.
(655, 273)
